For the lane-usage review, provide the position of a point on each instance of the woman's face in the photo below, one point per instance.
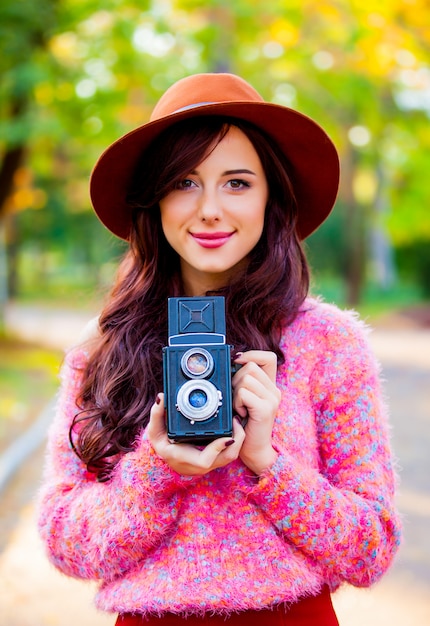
(215, 216)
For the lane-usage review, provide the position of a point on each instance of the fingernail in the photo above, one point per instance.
(158, 399)
(229, 443)
(240, 420)
(238, 355)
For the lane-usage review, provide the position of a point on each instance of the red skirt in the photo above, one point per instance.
(312, 611)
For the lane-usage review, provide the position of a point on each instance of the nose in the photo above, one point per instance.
(209, 209)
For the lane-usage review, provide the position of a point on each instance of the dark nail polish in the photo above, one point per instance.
(229, 443)
(241, 420)
(158, 399)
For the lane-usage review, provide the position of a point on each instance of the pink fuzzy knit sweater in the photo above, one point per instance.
(226, 541)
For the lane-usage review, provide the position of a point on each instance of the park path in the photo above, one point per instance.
(32, 593)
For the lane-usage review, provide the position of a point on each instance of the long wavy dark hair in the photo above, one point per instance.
(124, 372)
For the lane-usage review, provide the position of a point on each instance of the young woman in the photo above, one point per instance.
(214, 196)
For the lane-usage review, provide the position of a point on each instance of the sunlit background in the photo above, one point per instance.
(76, 74)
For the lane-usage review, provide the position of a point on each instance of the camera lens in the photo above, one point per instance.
(198, 400)
(197, 363)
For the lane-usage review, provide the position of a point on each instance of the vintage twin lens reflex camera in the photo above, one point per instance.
(197, 371)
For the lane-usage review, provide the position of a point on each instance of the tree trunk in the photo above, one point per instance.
(13, 158)
(12, 252)
(12, 161)
(354, 233)
(3, 277)
(381, 248)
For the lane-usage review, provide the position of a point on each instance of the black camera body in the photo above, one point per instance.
(197, 371)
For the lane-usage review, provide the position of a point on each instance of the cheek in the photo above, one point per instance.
(173, 224)
(170, 232)
(174, 211)
(256, 219)
(169, 217)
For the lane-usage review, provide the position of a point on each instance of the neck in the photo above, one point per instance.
(199, 283)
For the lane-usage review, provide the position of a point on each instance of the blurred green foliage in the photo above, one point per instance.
(76, 74)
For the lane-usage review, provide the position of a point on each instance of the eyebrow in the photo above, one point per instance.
(232, 172)
(243, 171)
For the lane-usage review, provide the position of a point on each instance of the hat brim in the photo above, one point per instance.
(309, 150)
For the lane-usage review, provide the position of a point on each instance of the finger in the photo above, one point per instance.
(238, 431)
(209, 454)
(247, 403)
(253, 378)
(223, 446)
(157, 424)
(257, 381)
(263, 358)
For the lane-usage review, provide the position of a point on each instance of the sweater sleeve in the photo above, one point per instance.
(341, 515)
(99, 530)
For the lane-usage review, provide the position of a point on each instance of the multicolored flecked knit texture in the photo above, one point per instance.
(227, 541)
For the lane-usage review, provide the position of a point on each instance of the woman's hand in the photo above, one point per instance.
(185, 458)
(256, 396)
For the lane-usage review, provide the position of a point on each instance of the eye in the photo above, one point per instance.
(238, 184)
(185, 183)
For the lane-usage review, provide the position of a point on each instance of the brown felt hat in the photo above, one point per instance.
(312, 155)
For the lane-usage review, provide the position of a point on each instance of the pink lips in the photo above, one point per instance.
(211, 240)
